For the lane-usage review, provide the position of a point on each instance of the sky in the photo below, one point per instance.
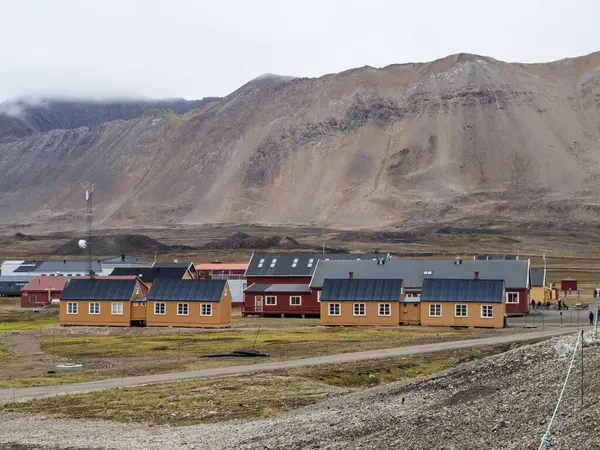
(198, 48)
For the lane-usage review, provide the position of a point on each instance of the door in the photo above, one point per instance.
(258, 303)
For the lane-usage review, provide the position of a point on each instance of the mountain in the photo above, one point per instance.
(466, 139)
(24, 117)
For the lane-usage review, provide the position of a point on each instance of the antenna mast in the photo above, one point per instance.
(89, 215)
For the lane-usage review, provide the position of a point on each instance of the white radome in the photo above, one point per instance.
(82, 243)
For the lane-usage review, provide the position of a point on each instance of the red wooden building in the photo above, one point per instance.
(568, 285)
(286, 276)
(41, 290)
(221, 271)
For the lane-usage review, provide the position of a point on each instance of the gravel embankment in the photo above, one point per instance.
(502, 402)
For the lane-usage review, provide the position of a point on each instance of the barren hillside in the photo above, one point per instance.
(464, 139)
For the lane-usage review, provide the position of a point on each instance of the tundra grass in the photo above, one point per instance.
(249, 397)
(9, 301)
(33, 323)
(301, 342)
(3, 352)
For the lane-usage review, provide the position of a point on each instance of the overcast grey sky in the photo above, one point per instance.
(196, 48)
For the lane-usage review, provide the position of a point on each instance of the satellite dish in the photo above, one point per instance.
(82, 243)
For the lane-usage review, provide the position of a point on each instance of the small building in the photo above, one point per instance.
(361, 302)
(463, 303)
(189, 266)
(221, 271)
(568, 285)
(110, 264)
(189, 303)
(410, 310)
(103, 302)
(539, 289)
(41, 291)
(10, 286)
(149, 274)
(280, 299)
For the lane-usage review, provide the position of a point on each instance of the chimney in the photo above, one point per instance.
(64, 261)
(351, 275)
(122, 258)
(476, 275)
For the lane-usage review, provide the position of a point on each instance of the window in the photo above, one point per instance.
(310, 262)
(295, 263)
(460, 310)
(271, 300)
(435, 310)
(415, 305)
(135, 304)
(427, 272)
(137, 289)
(335, 309)
(273, 262)
(117, 309)
(295, 300)
(512, 297)
(359, 309)
(183, 309)
(318, 296)
(487, 312)
(385, 309)
(25, 294)
(261, 262)
(33, 299)
(72, 308)
(94, 308)
(206, 310)
(160, 309)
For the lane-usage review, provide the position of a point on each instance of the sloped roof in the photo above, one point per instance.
(65, 266)
(125, 259)
(171, 265)
(361, 289)
(45, 283)
(222, 266)
(149, 274)
(98, 289)
(414, 271)
(538, 277)
(258, 287)
(298, 264)
(187, 290)
(452, 290)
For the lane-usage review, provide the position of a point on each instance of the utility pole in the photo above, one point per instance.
(89, 212)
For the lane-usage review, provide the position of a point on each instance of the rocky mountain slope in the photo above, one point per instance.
(464, 139)
(24, 117)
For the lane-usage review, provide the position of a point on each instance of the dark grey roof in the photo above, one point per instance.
(187, 290)
(258, 287)
(414, 271)
(172, 265)
(150, 274)
(12, 285)
(125, 259)
(52, 267)
(452, 290)
(538, 277)
(98, 289)
(363, 290)
(298, 264)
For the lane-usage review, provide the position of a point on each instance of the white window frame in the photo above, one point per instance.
(295, 263)
(359, 307)
(261, 262)
(508, 296)
(485, 308)
(72, 308)
(319, 296)
(433, 307)
(332, 307)
(273, 262)
(384, 306)
(267, 303)
(119, 306)
(90, 312)
(456, 310)
(299, 297)
(160, 306)
(310, 262)
(206, 309)
(33, 299)
(181, 307)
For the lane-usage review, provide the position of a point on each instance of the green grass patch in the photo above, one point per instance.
(3, 352)
(9, 301)
(295, 342)
(30, 323)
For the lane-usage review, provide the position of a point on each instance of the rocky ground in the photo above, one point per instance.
(501, 402)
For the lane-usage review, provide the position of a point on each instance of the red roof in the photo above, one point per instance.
(222, 266)
(42, 283)
(45, 283)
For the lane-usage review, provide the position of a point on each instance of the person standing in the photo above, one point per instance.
(591, 318)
